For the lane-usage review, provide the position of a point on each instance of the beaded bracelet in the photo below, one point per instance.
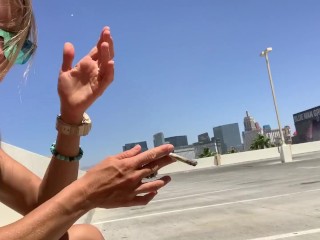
(65, 158)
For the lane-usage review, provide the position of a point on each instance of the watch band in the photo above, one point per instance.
(74, 130)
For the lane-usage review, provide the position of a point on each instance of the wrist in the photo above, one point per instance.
(71, 118)
(86, 193)
(71, 114)
(75, 199)
(58, 155)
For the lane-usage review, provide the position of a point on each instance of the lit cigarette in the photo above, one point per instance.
(183, 159)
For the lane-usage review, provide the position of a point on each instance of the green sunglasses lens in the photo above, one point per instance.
(25, 52)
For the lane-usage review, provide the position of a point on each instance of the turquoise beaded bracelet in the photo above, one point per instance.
(65, 158)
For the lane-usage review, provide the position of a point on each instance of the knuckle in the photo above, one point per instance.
(152, 155)
(149, 170)
(125, 166)
(131, 179)
(144, 201)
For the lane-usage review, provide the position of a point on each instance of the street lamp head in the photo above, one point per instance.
(263, 53)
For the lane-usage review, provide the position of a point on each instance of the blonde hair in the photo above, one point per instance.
(26, 30)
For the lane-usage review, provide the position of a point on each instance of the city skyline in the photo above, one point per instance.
(248, 126)
(251, 130)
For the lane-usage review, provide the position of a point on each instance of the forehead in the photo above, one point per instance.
(11, 13)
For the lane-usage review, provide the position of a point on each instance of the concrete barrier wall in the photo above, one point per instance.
(248, 156)
(34, 162)
(305, 147)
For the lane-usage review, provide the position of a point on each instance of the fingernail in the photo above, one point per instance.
(170, 147)
(136, 146)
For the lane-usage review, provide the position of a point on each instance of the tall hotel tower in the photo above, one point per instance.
(251, 131)
(158, 139)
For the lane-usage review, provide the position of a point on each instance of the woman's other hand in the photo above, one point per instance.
(81, 85)
(118, 180)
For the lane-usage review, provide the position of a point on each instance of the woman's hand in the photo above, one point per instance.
(117, 181)
(81, 85)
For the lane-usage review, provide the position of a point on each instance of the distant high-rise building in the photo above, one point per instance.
(158, 139)
(143, 145)
(186, 151)
(257, 126)
(251, 130)
(249, 123)
(200, 147)
(307, 124)
(266, 128)
(229, 137)
(203, 138)
(249, 137)
(177, 141)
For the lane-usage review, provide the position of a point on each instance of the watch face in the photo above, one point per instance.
(86, 119)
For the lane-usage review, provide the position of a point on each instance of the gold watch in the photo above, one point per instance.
(74, 130)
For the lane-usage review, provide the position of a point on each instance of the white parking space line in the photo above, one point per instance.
(198, 194)
(308, 167)
(206, 206)
(289, 235)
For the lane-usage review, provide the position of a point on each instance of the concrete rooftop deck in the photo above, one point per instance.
(258, 201)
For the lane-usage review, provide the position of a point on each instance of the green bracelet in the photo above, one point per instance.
(65, 158)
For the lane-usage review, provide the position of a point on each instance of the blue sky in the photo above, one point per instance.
(182, 67)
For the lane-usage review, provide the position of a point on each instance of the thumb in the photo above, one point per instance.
(68, 56)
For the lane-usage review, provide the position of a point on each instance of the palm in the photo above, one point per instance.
(80, 86)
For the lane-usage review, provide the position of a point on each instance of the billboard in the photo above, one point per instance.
(307, 125)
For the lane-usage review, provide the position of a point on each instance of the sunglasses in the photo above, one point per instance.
(24, 54)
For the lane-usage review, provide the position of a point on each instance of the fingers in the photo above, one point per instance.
(105, 37)
(153, 186)
(151, 155)
(68, 56)
(142, 200)
(154, 166)
(106, 66)
(103, 54)
(129, 153)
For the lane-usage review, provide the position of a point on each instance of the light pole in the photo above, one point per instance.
(285, 150)
(217, 156)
